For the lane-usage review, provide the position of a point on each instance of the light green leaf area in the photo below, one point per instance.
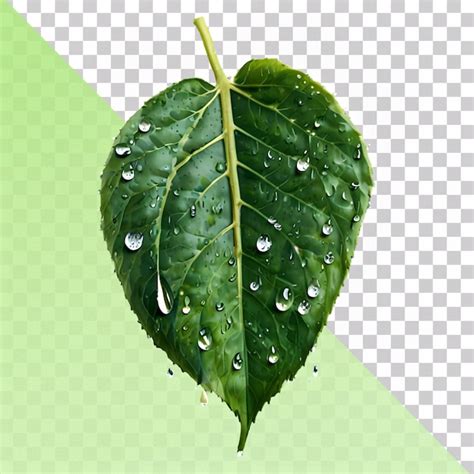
(232, 213)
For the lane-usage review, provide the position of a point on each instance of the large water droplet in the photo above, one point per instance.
(304, 307)
(284, 300)
(128, 175)
(264, 243)
(327, 228)
(134, 240)
(122, 150)
(163, 298)
(220, 306)
(273, 356)
(205, 339)
(302, 164)
(237, 361)
(329, 258)
(144, 126)
(313, 290)
(203, 399)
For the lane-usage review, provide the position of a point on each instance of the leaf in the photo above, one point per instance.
(232, 214)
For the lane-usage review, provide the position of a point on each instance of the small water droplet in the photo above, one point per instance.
(357, 153)
(315, 371)
(269, 155)
(316, 124)
(134, 240)
(240, 454)
(122, 150)
(254, 285)
(356, 218)
(298, 76)
(299, 102)
(203, 399)
(277, 226)
(186, 308)
(220, 306)
(192, 211)
(329, 258)
(304, 307)
(273, 356)
(233, 277)
(237, 361)
(313, 290)
(284, 300)
(264, 243)
(205, 339)
(231, 261)
(355, 185)
(176, 192)
(139, 167)
(302, 164)
(220, 167)
(144, 126)
(327, 228)
(128, 175)
(170, 372)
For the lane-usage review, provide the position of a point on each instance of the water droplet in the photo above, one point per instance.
(184, 328)
(170, 372)
(298, 76)
(144, 126)
(271, 220)
(329, 258)
(134, 240)
(313, 290)
(277, 226)
(237, 361)
(284, 300)
(356, 218)
(357, 152)
(205, 339)
(327, 228)
(254, 285)
(315, 371)
(342, 128)
(139, 167)
(186, 308)
(192, 211)
(269, 155)
(355, 185)
(273, 356)
(304, 307)
(220, 167)
(316, 124)
(299, 102)
(203, 399)
(302, 164)
(233, 277)
(163, 298)
(122, 150)
(231, 261)
(128, 175)
(240, 454)
(176, 192)
(264, 243)
(220, 306)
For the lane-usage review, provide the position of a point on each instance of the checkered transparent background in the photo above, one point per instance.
(404, 71)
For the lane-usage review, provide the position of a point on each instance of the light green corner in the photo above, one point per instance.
(82, 388)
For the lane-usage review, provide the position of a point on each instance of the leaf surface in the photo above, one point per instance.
(232, 214)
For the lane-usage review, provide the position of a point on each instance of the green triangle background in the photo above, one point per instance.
(82, 388)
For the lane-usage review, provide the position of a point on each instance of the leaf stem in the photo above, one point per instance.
(210, 50)
(224, 87)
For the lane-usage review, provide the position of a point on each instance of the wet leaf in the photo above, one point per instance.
(231, 214)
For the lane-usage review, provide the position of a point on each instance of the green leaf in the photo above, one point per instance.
(232, 214)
